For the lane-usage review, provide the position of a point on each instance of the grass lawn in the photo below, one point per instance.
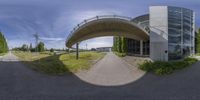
(198, 54)
(59, 64)
(1, 54)
(85, 61)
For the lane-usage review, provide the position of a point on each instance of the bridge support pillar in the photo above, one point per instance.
(77, 51)
(141, 47)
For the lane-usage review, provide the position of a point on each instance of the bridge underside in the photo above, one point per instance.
(107, 27)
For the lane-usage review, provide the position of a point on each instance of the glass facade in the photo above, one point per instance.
(134, 47)
(146, 48)
(180, 32)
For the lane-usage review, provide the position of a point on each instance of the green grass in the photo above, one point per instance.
(2, 54)
(28, 56)
(198, 54)
(58, 64)
(85, 61)
(163, 68)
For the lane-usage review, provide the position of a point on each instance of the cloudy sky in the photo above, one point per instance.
(54, 19)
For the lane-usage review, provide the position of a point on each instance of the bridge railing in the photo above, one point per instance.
(96, 18)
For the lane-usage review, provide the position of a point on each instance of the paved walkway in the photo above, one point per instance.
(111, 71)
(8, 57)
(17, 82)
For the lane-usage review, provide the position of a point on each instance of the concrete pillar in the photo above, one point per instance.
(141, 47)
(77, 51)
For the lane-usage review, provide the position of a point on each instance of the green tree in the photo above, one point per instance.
(114, 44)
(51, 50)
(124, 45)
(24, 47)
(198, 42)
(40, 47)
(119, 45)
(3, 44)
(30, 47)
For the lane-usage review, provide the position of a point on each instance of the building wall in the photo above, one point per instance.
(159, 33)
(104, 49)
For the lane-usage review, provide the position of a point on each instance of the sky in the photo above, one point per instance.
(54, 19)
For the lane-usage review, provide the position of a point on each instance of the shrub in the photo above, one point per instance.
(120, 54)
(147, 66)
(162, 68)
(190, 60)
(179, 65)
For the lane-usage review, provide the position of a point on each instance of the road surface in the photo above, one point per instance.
(111, 71)
(17, 82)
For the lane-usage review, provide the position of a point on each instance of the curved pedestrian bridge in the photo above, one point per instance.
(109, 25)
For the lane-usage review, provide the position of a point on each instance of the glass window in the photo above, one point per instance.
(174, 52)
(186, 50)
(173, 20)
(173, 31)
(173, 39)
(177, 26)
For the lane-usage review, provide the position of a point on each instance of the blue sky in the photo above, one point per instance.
(54, 19)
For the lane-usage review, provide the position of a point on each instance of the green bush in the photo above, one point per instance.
(190, 60)
(145, 64)
(120, 54)
(162, 68)
(180, 65)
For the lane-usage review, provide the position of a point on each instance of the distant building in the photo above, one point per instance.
(104, 49)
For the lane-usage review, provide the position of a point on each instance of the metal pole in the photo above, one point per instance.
(77, 51)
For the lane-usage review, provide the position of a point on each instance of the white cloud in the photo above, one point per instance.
(51, 39)
(97, 42)
(80, 16)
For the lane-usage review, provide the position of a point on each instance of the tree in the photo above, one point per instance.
(3, 44)
(198, 42)
(24, 47)
(40, 47)
(30, 47)
(119, 44)
(51, 50)
(114, 44)
(124, 45)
